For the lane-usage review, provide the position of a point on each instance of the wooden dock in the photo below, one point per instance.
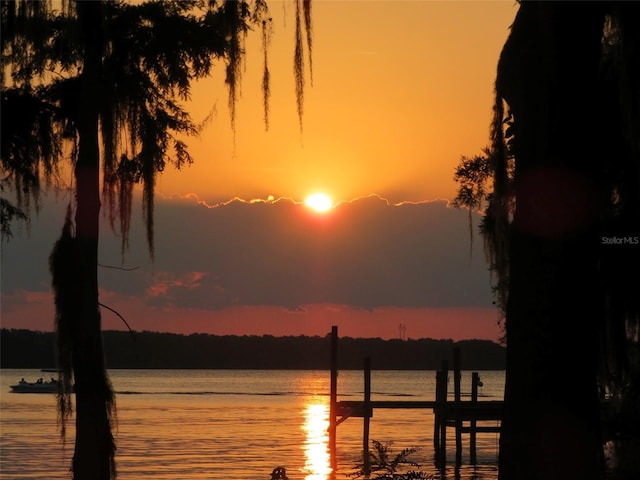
(461, 415)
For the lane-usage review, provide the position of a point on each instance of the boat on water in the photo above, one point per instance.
(39, 386)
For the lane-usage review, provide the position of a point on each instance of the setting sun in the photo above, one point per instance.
(319, 202)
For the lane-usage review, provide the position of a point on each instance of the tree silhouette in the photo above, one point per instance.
(561, 226)
(98, 84)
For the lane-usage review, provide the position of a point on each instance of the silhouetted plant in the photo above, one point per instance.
(386, 464)
(279, 473)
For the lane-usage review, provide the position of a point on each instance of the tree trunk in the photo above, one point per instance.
(94, 445)
(551, 421)
(547, 75)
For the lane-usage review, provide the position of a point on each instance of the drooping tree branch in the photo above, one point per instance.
(298, 63)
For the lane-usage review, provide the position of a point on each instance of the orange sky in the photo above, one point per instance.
(401, 89)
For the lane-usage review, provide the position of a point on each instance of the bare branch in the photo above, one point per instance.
(133, 334)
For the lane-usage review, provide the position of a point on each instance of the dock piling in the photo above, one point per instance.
(440, 415)
(366, 461)
(333, 401)
(457, 376)
(475, 382)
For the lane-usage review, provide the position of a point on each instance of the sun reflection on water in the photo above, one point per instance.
(317, 464)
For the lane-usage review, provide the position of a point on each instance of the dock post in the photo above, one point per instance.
(366, 461)
(436, 413)
(475, 381)
(440, 418)
(456, 393)
(333, 401)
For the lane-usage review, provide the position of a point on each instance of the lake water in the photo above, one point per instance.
(236, 424)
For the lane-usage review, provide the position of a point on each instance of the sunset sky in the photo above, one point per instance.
(401, 89)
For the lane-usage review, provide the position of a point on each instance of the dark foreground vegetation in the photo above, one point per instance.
(30, 349)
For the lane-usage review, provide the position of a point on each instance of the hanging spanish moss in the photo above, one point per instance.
(306, 6)
(495, 225)
(62, 265)
(266, 77)
(234, 12)
(298, 62)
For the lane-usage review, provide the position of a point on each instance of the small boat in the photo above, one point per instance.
(39, 386)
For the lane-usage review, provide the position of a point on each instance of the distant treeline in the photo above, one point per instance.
(31, 349)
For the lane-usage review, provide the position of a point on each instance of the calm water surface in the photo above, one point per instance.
(234, 424)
